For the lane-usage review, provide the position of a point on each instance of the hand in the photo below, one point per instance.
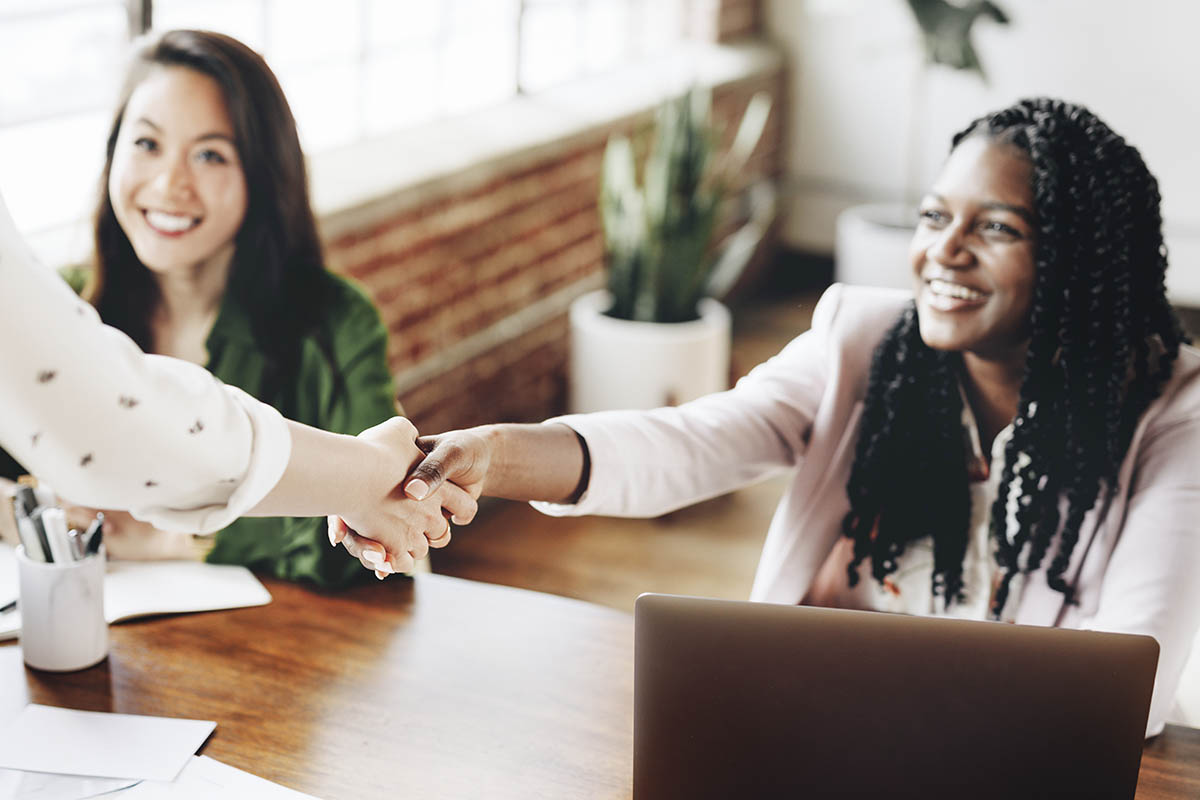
(392, 531)
(461, 457)
(129, 539)
(515, 461)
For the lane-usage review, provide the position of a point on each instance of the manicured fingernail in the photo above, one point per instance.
(417, 489)
(373, 557)
(332, 536)
(380, 575)
(454, 518)
(385, 568)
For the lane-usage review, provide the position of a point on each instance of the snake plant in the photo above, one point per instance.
(658, 232)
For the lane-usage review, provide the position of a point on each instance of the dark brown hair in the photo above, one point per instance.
(278, 267)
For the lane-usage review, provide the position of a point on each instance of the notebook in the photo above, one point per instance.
(140, 588)
(739, 699)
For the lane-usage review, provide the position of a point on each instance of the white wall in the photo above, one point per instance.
(853, 71)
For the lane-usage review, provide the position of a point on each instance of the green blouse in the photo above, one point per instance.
(296, 548)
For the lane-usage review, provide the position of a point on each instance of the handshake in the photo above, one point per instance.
(442, 477)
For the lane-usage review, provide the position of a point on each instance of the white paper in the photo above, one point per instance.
(99, 744)
(18, 785)
(138, 588)
(201, 779)
(204, 779)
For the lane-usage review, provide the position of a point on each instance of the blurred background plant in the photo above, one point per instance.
(946, 38)
(946, 30)
(658, 233)
(872, 239)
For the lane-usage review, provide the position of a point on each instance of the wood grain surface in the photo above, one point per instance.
(427, 688)
(433, 688)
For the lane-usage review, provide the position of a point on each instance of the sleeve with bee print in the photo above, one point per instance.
(82, 408)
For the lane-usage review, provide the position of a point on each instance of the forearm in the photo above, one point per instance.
(532, 462)
(330, 473)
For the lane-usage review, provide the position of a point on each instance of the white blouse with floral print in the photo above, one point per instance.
(109, 426)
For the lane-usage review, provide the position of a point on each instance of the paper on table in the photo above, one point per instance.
(203, 779)
(137, 588)
(18, 785)
(98, 744)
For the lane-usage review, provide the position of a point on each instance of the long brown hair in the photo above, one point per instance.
(278, 266)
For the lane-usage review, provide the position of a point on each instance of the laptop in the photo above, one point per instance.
(752, 700)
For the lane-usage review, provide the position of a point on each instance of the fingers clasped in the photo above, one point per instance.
(412, 519)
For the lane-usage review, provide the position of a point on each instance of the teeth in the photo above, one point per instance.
(169, 223)
(947, 289)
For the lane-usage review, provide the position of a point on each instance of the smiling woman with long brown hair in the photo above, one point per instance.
(206, 250)
(1017, 439)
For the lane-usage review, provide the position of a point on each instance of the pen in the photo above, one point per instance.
(75, 540)
(4, 609)
(41, 492)
(29, 538)
(24, 506)
(94, 534)
(54, 523)
(25, 500)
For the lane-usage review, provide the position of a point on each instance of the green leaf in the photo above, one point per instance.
(658, 235)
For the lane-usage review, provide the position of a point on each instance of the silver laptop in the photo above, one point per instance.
(750, 700)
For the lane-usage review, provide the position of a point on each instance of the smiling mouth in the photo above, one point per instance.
(955, 291)
(170, 224)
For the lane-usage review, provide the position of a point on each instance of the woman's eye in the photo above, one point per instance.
(1000, 229)
(932, 216)
(211, 157)
(145, 143)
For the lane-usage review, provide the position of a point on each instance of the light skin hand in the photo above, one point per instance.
(390, 536)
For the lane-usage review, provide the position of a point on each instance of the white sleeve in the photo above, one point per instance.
(647, 463)
(110, 427)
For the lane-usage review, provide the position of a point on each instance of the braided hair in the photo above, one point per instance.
(1103, 343)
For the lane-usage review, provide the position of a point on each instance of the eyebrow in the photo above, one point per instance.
(1021, 211)
(206, 137)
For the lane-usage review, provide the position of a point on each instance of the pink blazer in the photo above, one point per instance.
(1136, 566)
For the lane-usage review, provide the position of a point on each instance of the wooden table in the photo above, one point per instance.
(433, 688)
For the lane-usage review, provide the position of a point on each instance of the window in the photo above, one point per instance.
(565, 39)
(351, 71)
(61, 61)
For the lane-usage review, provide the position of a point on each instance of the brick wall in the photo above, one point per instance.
(473, 282)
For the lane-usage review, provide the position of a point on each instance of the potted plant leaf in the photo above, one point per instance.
(872, 239)
(655, 336)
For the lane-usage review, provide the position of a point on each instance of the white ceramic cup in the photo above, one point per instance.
(62, 612)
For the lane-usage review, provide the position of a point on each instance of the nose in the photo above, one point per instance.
(174, 179)
(949, 247)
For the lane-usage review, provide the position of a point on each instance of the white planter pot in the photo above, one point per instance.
(872, 245)
(616, 363)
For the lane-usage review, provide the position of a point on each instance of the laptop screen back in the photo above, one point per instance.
(737, 699)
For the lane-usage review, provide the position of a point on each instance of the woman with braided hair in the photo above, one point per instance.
(1019, 439)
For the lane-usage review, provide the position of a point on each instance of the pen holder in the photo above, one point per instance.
(62, 612)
